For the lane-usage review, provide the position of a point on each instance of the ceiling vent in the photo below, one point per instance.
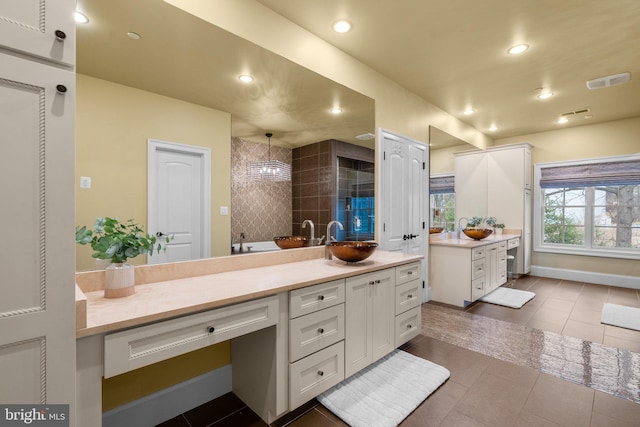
(570, 114)
(616, 79)
(366, 136)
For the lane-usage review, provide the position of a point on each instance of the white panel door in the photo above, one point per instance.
(44, 28)
(179, 200)
(404, 200)
(37, 320)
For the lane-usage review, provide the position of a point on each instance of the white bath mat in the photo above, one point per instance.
(621, 315)
(383, 394)
(514, 298)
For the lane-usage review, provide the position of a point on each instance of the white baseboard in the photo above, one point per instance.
(170, 402)
(632, 282)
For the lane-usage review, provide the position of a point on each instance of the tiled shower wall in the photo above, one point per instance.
(260, 210)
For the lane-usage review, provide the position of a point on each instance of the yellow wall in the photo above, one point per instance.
(113, 123)
(442, 159)
(599, 140)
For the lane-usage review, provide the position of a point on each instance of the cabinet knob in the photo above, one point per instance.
(321, 297)
(372, 283)
(409, 273)
(60, 35)
(321, 373)
(321, 330)
(409, 296)
(409, 326)
(61, 89)
(378, 281)
(211, 329)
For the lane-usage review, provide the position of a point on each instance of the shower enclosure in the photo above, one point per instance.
(355, 199)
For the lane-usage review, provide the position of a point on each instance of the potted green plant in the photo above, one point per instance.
(499, 228)
(113, 240)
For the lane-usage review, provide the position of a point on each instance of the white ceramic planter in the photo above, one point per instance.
(119, 280)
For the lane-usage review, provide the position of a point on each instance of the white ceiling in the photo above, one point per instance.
(453, 54)
(183, 57)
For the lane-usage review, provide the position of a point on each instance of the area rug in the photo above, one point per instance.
(621, 315)
(383, 394)
(514, 298)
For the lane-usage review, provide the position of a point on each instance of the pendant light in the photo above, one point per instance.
(269, 170)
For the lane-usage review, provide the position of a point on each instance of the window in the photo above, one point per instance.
(589, 207)
(442, 202)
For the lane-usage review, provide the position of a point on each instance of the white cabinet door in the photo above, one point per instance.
(370, 313)
(44, 28)
(37, 320)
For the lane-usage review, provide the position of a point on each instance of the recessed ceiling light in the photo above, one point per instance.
(544, 95)
(562, 120)
(80, 18)
(336, 110)
(245, 78)
(342, 26)
(517, 49)
(133, 35)
(469, 111)
(493, 128)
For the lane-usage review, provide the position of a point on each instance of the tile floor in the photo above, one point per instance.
(550, 363)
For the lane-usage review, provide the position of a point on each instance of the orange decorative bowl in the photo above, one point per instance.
(351, 251)
(477, 233)
(291, 242)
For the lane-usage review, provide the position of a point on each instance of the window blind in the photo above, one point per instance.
(442, 184)
(591, 174)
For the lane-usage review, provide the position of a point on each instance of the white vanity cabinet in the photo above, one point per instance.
(370, 313)
(461, 274)
(316, 340)
(408, 316)
(498, 182)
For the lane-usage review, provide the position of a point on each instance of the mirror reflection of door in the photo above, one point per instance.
(179, 200)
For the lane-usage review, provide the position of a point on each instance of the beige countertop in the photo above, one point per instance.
(444, 239)
(162, 300)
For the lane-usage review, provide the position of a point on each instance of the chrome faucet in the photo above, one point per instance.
(241, 242)
(304, 225)
(327, 252)
(459, 231)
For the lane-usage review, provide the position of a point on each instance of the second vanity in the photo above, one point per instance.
(298, 324)
(464, 270)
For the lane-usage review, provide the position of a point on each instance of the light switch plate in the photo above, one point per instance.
(224, 210)
(85, 182)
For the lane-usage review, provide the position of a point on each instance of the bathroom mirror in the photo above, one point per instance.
(150, 47)
(442, 148)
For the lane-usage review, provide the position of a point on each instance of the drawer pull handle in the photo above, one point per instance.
(321, 330)
(321, 297)
(378, 281)
(409, 273)
(211, 329)
(321, 373)
(372, 283)
(409, 296)
(409, 326)
(60, 35)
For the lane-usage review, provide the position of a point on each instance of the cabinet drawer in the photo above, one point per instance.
(477, 288)
(502, 245)
(407, 273)
(408, 296)
(408, 325)
(513, 243)
(478, 268)
(314, 298)
(502, 259)
(315, 331)
(134, 348)
(316, 373)
(502, 275)
(478, 253)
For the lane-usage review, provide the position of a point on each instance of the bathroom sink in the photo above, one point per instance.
(351, 251)
(291, 242)
(435, 230)
(477, 233)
